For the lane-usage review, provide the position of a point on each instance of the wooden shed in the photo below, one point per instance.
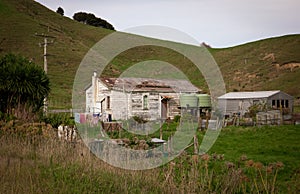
(239, 102)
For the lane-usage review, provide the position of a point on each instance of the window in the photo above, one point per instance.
(278, 103)
(108, 102)
(273, 103)
(286, 103)
(282, 103)
(145, 102)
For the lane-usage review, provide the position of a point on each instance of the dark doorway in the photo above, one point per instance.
(164, 108)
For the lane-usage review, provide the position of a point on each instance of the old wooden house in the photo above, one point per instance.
(239, 102)
(123, 98)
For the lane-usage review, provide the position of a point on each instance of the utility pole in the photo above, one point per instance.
(45, 44)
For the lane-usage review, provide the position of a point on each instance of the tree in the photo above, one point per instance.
(80, 17)
(91, 19)
(60, 11)
(23, 86)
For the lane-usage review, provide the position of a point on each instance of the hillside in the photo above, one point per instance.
(23, 19)
(259, 65)
(271, 64)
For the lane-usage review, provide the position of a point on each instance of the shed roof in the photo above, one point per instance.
(248, 95)
(149, 84)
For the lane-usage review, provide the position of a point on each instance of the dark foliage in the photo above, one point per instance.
(60, 11)
(91, 19)
(23, 86)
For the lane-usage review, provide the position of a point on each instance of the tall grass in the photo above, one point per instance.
(37, 163)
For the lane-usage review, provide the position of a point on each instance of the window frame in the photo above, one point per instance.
(145, 101)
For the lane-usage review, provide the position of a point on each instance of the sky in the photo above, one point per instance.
(218, 23)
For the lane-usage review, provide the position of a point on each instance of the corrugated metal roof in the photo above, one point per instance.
(247, 95)
(148, 84)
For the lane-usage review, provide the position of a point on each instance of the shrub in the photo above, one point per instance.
(57, 119)
(176, 118)
(23, 87)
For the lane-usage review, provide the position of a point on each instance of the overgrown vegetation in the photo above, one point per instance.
(236, 164)
(23, 87)
(56, 119)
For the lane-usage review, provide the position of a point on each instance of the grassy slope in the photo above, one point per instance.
(285, 49)
(72, 40)
(25, 18)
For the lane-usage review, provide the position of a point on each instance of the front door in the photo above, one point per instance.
(164, 109)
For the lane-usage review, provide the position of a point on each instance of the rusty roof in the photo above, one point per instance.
(149, 84)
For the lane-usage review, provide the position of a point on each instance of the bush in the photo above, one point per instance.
(24, 85)
(57, 119)
(6, 117)
(176, 118)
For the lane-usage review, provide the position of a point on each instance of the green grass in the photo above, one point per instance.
(4, 9)
(268, 145)
(235, 141)
(265, 144)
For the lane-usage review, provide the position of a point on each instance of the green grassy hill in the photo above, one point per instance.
(21, 20)
(261, 65)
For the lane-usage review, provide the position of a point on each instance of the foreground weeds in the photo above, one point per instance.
(212, 174)
(43, 164)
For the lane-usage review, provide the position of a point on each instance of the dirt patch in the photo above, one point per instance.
(287, 66)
